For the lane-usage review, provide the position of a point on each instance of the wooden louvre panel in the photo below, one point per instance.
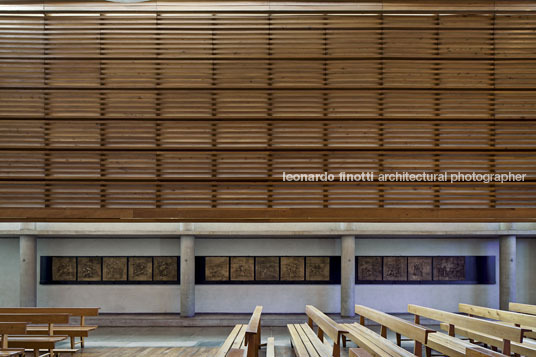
(206, 105)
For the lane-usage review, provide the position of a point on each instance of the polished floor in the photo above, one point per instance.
(174, 341)
(169, 341)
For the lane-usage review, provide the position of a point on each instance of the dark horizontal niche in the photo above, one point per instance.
(258, 270)
(393, 270)
(110, 270)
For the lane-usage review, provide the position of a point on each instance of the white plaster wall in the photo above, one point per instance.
(9, 272)
(526, 266)
(110, 298)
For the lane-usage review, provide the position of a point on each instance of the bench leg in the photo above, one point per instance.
(343, 341)
(51, 353)
(417, 349)
(82, 344)
(428, 352)
(72, 342)
(36, 352)
(398, 339)
(336, 350)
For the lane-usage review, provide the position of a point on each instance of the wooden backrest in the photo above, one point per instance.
(524, 308)
(396, 324)
(73, 311)
(327, 325)
(497, 329)
(35, 318)
(501, 315)
(253, 333)
(255, 320)
(12, 328)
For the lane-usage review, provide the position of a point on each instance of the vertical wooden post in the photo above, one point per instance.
(506, 348)
(452, 330)
(417, 349)
(4, 341)
(383, 331)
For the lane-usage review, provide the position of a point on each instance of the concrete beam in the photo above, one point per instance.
(328, 230)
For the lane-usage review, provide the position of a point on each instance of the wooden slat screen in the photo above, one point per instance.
(183, 105)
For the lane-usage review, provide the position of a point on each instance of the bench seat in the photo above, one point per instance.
(69, 330)
(374, 343)
(451, 346)
(270, 347)
(358, 352)
(237, 352)
(235, 340)
(306, 343)
(10, 352)
(34, 342)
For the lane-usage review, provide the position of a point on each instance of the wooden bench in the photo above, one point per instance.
(80, 331)
(375, 344)
(36, 343)
(307, 344)
(523, 308)
(517, 319)
(11, 328)
(244, 340)
(524, 349)
(400, 327)
(457, 346)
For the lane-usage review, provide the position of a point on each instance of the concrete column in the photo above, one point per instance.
(347, 276)
(187, 276)
(28, 271)
(507, 271)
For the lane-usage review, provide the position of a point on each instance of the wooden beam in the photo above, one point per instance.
(266, 215)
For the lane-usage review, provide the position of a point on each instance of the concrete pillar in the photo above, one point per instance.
(347, 276)
(507, 271)
(28, 271)
(187, 276)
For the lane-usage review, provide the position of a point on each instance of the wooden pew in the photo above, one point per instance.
(507, 333)
(373, 343)
(36, 343)
(244, 340)
(399, 326)
(11, 328)
(524, 349)
(306, 343)
(518, 319)
(523, 308)
(80, 331)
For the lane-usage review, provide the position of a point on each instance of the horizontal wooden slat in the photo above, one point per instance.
(204, 105)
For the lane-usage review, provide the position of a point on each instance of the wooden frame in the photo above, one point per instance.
(47, 277)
